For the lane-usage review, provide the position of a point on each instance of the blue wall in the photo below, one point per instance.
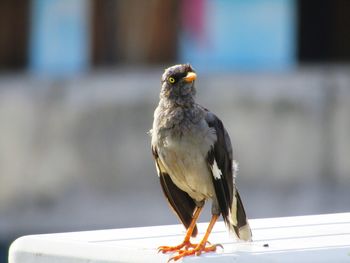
(60, 42)
(241, 35)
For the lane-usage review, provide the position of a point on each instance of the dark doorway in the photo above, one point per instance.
(324, 30)
(14, 28)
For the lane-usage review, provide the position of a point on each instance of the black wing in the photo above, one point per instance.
(221, 154)
(180, 201)
(220, 161)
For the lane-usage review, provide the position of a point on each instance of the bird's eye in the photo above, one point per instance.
(171, 80)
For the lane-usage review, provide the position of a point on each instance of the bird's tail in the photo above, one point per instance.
(237, 221)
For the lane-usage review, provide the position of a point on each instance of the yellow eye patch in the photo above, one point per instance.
(171, 80)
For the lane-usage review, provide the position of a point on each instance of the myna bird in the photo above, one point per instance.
(193, 156)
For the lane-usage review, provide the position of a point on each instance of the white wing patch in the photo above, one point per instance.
(216, 171)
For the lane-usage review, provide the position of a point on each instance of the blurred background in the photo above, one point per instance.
(79, 80)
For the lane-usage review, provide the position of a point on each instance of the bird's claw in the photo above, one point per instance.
(185, 244)
(197, 251)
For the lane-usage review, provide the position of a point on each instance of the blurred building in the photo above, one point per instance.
(62, 36)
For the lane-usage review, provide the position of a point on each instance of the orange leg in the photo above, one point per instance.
(202, 246)
(186, 243)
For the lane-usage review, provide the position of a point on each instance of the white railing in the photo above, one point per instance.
(316, 238)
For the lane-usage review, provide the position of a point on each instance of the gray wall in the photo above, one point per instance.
(74, 154)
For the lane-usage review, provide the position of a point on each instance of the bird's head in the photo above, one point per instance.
(178, 83)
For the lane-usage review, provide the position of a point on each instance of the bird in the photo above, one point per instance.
(194, 161)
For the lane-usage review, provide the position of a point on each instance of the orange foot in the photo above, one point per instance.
(198, 250)
(185, 244)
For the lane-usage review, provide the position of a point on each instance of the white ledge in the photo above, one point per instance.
(317, 238)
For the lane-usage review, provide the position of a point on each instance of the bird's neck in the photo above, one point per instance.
(175, 113)
(185, 102)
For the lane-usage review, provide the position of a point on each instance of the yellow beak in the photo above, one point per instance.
(191, 76)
